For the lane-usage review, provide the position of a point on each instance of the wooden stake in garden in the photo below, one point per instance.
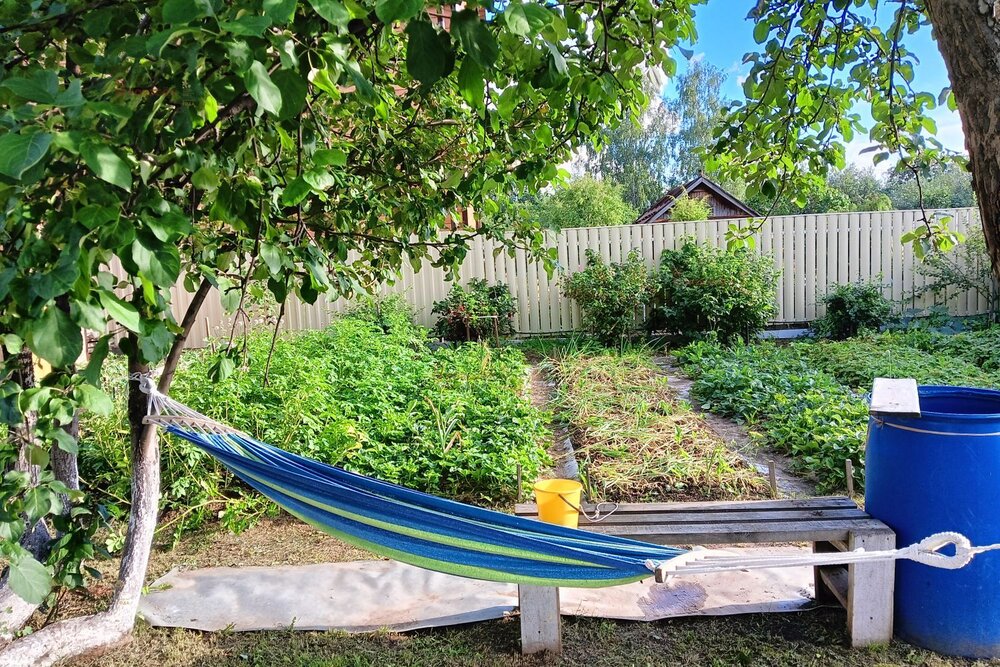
(849, 471)
(772, 478)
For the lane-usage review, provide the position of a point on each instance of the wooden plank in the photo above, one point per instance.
(835, 582)
(541, 625)
(870, 588)
(821, 502)
(725, 518)
(739, 532)
(895, 396)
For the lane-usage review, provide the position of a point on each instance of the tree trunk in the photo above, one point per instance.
(968, 35)
(15, 612)
(96, 633)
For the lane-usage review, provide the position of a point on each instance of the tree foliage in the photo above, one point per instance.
(263, 142)
(818, 66)
(687, 208)
(698, 108)
(583, 202)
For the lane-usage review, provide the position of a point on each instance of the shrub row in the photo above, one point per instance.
(699, 289)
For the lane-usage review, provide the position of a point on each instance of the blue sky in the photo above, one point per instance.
(724, 35)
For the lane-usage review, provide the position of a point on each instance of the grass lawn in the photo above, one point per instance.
(773, 640)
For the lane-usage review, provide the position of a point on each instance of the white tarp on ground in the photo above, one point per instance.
(364, 596)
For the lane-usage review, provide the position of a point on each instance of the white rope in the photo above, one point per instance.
(927, 551)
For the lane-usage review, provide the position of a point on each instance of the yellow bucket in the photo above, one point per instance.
(559, 501)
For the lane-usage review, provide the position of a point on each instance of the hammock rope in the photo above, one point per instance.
(456, 538)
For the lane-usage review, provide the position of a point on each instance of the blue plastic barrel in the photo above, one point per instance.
(934, 473)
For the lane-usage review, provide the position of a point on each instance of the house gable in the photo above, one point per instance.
(722, 203)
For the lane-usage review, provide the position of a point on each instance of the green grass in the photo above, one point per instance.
(808, 639)
(635, 439)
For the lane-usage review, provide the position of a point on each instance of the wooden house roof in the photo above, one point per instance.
(723, 203)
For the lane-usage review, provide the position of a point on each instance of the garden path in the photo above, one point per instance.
(737, 436)
(564, 463)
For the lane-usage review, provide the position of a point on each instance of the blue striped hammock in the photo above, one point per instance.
(414, 527)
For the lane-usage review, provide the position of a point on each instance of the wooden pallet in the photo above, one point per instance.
(829, 524)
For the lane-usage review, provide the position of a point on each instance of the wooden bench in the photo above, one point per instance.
(830, 523)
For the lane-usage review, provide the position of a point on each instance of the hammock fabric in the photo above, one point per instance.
(455, 538)
(414, 527)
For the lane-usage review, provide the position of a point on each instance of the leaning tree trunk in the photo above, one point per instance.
(968, 35)
(96, 633)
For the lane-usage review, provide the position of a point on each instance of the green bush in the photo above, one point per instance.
(479, 312)
(610, 296)
(583, 202)
(453, 421)
(852, 308)
(689, 209)
(705, 289)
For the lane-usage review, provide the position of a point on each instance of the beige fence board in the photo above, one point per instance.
(812, 252)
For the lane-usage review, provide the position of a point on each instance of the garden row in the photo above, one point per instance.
(368, 393)
(635, 439)
(807, 399)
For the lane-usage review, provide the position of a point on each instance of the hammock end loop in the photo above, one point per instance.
(928, 551)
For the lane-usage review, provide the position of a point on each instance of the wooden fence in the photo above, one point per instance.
(811, 251)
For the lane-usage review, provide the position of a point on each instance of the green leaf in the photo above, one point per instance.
(280, 11)
(185, 11)
(426, 55)
(121, 311)
(247, 26)
(170, 226)
(326, 157)
(526, 20)
(333, 11)
(761, 31)
(210, 107)
(293, 93)
(20, 152)
(64, 440)
(107, 165)
(471, 83)
(93, 399)
(262, 89)
(272, 258)
(92, 373)
(389, 11)
(205, 179)
(30, 580)
(295, 192)
(56, 338)
(40, 501)
(159, 262)
(41, 87)
(475, 38)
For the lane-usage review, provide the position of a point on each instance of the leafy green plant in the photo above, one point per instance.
(793, 407)
(610, 296)
(858, 361)
(366, 393)
(704, 289)
(478, 312)
(852, 308)
(687, 208)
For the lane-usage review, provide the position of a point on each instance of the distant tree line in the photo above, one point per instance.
(634, 164)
